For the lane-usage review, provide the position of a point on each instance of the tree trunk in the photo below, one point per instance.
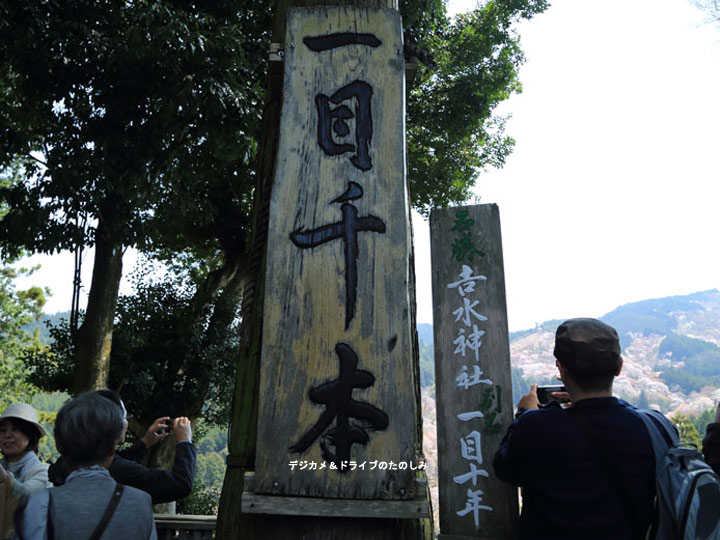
(94, 337)
(199, 375)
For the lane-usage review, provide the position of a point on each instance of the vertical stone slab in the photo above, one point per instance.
(337, 410)
(472, 371)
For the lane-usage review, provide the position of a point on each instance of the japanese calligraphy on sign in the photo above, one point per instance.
(472, 367)
(336, 329)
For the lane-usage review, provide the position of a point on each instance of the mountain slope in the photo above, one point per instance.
(671, 352)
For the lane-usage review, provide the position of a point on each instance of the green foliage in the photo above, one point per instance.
(143, 118)
(687, 381)
(520, 386)
(701, 421)
(701, 358)
(43, 324)
(17, 310)
(202, 501)
(124, 103)
(213, 440)
(50, 402)
(427, 364)
(210, 469)
(686, 429)
(152, 111)
(452, 132)
(160, 360)
(209, 472)
(680, 347)
(642, 401)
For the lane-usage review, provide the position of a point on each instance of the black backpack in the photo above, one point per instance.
(688, 490)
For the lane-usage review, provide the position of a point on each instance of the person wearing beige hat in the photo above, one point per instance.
(21, 472)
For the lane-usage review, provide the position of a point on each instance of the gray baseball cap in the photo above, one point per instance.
(588, 345)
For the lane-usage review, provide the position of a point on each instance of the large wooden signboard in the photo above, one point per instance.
(472, 372)
(337, 411)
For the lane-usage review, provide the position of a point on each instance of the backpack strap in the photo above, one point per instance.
(656, 425)
(610, 471)
(49, 532)
(109, 511)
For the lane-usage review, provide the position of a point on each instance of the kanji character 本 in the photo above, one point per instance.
(335, 121)
(470, 447)
(474, 498)
(466, 381)
(336, 395)
(466, 283)
(347, 229)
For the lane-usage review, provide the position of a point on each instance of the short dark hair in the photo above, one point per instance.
(28, 429)
(112, 396)
(87, 429)
(589, 350)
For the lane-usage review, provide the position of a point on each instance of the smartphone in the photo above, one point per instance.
(544, 393)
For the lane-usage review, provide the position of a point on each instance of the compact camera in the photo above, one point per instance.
(167, 428)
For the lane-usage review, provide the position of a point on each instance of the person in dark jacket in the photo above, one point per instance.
(711, 443)
(558, 455)
(89, 503)
(163, 486)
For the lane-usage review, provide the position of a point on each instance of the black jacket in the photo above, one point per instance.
(163, 486)
(711, 446)
(565, 493)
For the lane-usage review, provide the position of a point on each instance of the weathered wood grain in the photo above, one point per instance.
(305, 292)
(470, 237)
(311, 506)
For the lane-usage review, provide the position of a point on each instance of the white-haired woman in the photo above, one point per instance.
(90, 504)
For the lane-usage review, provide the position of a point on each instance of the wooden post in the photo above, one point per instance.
(472, 372)
(336, 331)
(338, 425)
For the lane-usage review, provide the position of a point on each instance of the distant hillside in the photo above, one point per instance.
(671, 351)
(41, 325)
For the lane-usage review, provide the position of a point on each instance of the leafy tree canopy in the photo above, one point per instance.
(137, 124)
(17, 309)
(159, 368)
(131, 112)
(109, 107)
(686, 430)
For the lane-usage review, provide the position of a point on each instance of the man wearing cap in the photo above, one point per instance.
(587, 471)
